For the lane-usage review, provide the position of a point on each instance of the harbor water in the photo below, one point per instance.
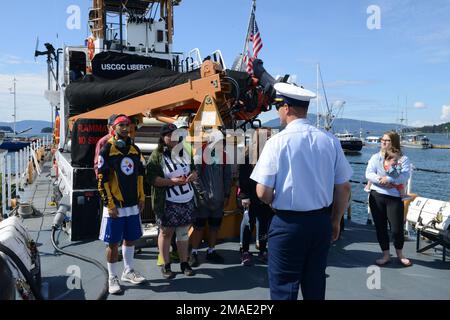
(425, 184)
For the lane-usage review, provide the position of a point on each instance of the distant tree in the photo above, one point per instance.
(47, 130)
(6, 129)
(441, 128)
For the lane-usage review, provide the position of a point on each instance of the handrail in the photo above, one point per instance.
(18, 166)
(415, 168)
(218, 57)
(196, 58)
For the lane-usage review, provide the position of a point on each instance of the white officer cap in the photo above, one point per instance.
(293, 95)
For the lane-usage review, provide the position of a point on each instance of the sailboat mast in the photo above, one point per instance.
(15, 105)
(329, 115)
(399, 117)
(406, 112)
(250, 23)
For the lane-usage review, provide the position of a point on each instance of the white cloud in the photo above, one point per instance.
(437, 54)
(441, 34)
(9, 59)
(422, 24)
(445, 112)
(421, 123)
(420, 105)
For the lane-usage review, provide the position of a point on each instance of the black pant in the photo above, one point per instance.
(264, 214)
(384, 208)
(299, 245)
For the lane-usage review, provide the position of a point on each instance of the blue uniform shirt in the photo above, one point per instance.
(302, 164)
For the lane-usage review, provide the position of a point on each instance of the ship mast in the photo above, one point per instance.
(13, 91)
(97, 18)
(250, 24)
(329, 115)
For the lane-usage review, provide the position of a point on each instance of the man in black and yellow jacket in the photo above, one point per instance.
(121, 185)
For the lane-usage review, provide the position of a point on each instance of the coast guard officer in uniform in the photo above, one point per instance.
(304, 175)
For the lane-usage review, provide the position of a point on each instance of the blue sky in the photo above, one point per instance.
(405, 65)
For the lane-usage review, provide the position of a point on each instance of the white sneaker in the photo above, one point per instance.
(133, 277)
(114, 285)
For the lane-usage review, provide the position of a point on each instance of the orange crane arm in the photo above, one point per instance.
(170, 100)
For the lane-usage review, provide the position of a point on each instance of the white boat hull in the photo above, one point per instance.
(416, 145)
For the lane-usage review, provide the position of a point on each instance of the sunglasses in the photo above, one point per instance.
(279, 106)
(385, 140)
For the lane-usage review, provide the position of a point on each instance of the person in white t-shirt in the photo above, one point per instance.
(171, 176)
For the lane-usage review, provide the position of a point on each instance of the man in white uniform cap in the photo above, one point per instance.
(303, 174)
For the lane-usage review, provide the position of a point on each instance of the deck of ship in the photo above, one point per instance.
(347, 272)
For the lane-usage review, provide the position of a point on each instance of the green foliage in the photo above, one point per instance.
(47, 130)
(442, 128)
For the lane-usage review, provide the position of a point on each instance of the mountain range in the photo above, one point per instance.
(35, 125)
(341, 125)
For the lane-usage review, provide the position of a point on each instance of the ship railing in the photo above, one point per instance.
(194, 59)
(218, 58)
(19, 169)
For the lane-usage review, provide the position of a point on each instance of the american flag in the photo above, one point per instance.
(254, 37)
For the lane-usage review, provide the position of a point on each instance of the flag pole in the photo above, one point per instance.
(250, 20)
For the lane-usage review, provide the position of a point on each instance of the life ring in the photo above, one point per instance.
(91, 48)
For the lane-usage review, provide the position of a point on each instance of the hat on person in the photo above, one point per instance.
(111, 119)
(293, 95)
(121, 119)
(167, 128)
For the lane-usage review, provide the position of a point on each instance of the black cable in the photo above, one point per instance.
(236, 85)
(415, 169)
(353, 181)
(238, 90)
(104, 294)
(362, 163)
(431, 170)
(28, 277)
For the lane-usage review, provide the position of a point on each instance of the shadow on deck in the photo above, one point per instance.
(350, 269)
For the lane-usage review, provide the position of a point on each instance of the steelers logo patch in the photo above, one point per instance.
(101, 161)
(127, 166)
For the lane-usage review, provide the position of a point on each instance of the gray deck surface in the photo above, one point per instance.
(428, 278)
